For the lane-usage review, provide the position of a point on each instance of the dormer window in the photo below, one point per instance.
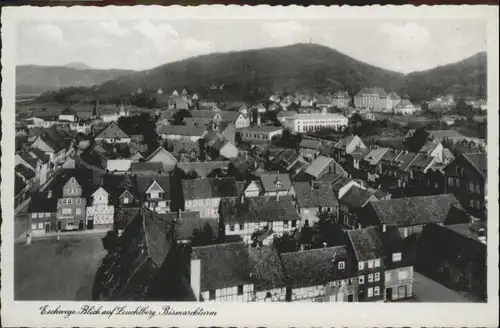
(396, 257)
(278, 183)
(341, 265)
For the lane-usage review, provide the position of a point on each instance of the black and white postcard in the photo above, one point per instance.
(249, 166)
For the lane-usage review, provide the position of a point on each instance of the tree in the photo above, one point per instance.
(330, 231)
(285, 243)
(110, 241)
(203, 237)
(178, 117)
(415, 142)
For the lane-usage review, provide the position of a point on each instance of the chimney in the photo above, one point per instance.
(242, 199)
(195, 277)
(258, 119)
(384, 228)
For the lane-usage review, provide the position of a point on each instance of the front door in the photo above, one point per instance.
(90, 224)
(388, 294)
(80, 225)
(47, 227)
(59, 225)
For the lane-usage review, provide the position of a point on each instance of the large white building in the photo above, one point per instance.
(301, 123)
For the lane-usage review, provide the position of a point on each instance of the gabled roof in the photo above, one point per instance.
(375, 155)
(394, 96)
(257, 209)
(402, 212)
(318, 165)
(344, 142)
(310, 143)
(160, 150)
(25, 172)
(275, 182)
(429, 146)
(341, 95)
(440, 135)
(39, 154)
(186, 223)
(315, 194)
(112, 131)
(421, 161)
(478, 161)
(316, 266)
(116, 185)
(367, 243)
(404, 160)
(209, 188)
(144, 182)
(67, 111)
(356, 197)
(223, 265)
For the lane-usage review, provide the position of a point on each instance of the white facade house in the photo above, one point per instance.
(302, 123)
(100, 213)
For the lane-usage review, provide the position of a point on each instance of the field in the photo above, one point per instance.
(57, 270)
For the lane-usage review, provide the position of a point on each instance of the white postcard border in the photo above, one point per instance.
(17, 313)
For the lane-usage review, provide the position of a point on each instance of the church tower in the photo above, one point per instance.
(95, 113)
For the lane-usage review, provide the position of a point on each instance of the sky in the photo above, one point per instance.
(399, 45)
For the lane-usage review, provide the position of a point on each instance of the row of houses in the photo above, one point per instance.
(375, 263)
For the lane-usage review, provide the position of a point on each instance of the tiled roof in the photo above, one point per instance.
(367, 243)
(410, 211)
(202, 169)
(272, 182)
(356, 197)
(318, 165)
(223, 265)
(153, 167)
(405, 102)
(375, 155)
(421, 161)
(341, 95)
(344, 142)
(373, 91)
(19, 185)
(316, 266)
(128, 272)
(315, 194)
(116, 185)
(440, 135)
(112, 131)
(404, 160)
(310, 143)
(124, 215)
(39, 154)
(24, 171)
(478, 161)
(429, 146)
(185, 146)
(209, 188)
(266, 268)
(257, 209)
(186, 223)
(182, 130)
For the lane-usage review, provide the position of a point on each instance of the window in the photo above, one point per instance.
(451, 182)
(361, 265)
(457, 182)
(370, 264)
(478, 205)
(361, 280)
(33, 226)
(376, 291)
(231, 227)
(70, 201)
(396, 257)
(211, 295)
(377, 276)
(294, 223)
(285, 223)
(341, 265)
(478, 188)
(402, 275)
(242, 226)
(471, 186)
(377, 263)
(78, 201)
(370, 292)
(471, 203)
(240, 289)
(40, 225)
(66, 211)
(125, 200)
(78, 211)
(387, 276)
(370, 277)
(33, 215)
